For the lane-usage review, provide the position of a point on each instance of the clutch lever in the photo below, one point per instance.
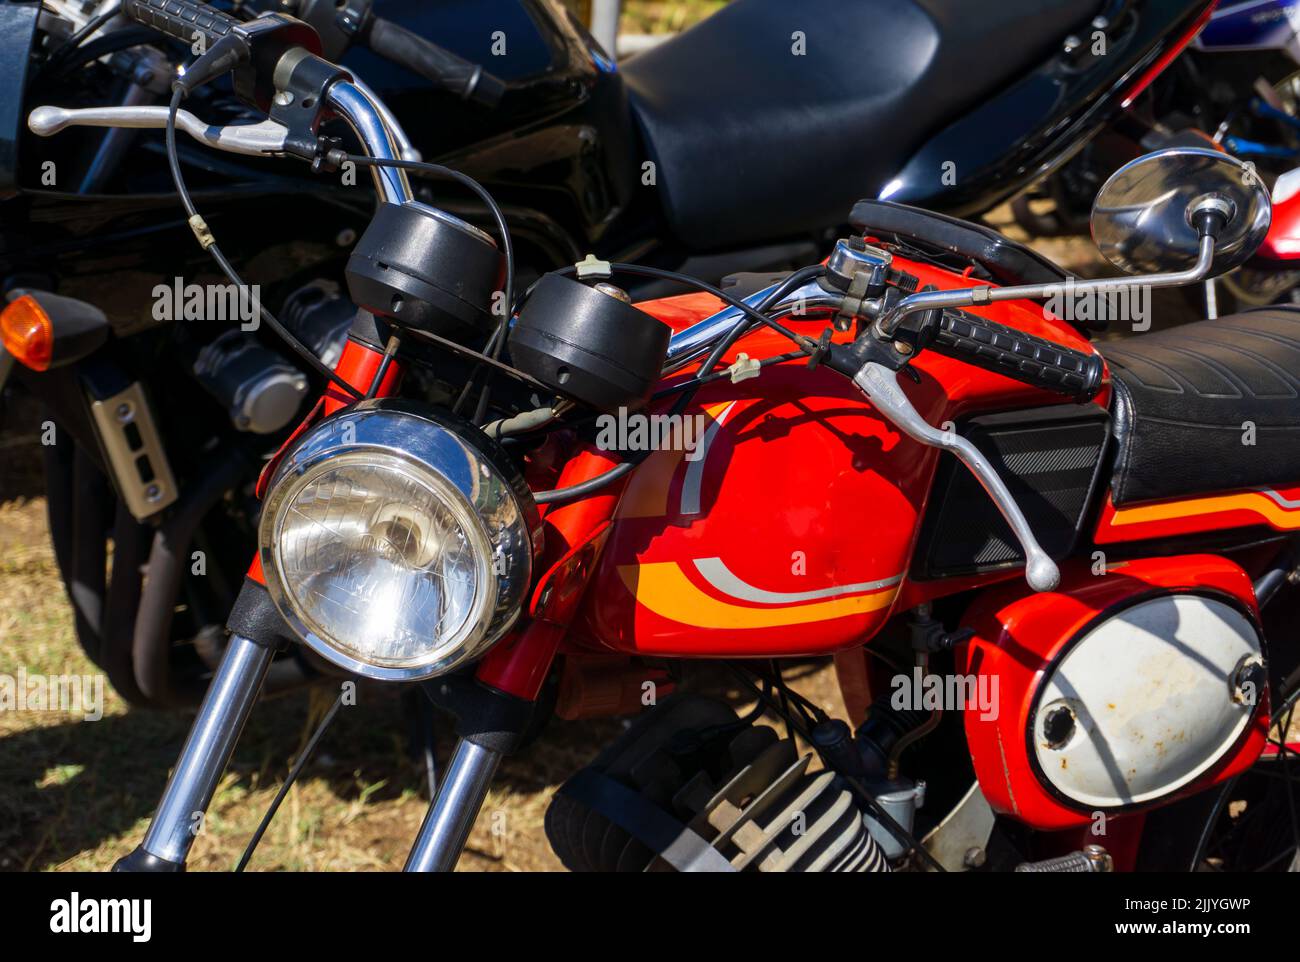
(350, 101)
(880, 384)
(257, 140)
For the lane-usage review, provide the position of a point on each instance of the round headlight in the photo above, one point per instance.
(398, 543)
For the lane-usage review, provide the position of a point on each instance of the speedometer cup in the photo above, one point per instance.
(422, 268)
(589, 345)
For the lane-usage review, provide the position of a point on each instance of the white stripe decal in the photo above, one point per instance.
(695, 469)
(717, 574)
(1282, 502)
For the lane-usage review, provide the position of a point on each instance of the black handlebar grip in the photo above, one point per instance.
(437, 65)
(1005, 350)
(182, 19)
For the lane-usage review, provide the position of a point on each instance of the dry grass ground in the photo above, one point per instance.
(655, 16)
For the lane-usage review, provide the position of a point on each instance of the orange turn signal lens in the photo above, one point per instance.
(28, 333)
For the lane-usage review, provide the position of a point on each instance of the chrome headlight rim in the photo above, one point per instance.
(426, 441)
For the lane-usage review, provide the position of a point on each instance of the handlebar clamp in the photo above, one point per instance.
(303, 81)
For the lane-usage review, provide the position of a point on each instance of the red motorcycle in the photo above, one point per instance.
(1045, 568)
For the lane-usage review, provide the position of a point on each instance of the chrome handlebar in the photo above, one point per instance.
(405, 149)
(367, 121)
(375, 126)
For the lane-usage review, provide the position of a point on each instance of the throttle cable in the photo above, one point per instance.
(752, 315)
(298, 765)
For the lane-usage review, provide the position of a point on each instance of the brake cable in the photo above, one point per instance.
(299, 764)
(752, 315)
(699, 380)
(209, 243)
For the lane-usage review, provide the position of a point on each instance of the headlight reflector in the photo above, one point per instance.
(396, 542)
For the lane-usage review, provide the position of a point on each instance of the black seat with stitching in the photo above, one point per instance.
(1190, 400)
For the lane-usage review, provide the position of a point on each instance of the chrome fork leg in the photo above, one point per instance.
(452, 813)
(226, 706)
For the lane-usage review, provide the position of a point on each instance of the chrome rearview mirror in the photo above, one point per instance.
(1144, 219)
(1178, 216)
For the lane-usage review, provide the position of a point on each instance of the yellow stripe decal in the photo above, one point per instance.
(664, 589)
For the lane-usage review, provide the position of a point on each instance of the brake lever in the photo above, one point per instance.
(257, 140)
(880, 384)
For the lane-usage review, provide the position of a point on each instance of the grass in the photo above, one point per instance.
(654, 16)
(666, 16)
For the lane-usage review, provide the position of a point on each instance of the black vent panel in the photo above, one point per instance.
(1049, 458)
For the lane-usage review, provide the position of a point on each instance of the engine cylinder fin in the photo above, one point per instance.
(742, 789)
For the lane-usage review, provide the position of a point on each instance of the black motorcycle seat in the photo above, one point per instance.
(1207, 407)
(751, 141)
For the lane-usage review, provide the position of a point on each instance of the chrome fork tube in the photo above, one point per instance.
(225, 708)
(451, 815)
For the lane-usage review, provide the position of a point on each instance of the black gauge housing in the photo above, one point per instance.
(420, 268)
(589, 345)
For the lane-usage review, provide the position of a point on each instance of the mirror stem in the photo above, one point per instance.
(887, 323)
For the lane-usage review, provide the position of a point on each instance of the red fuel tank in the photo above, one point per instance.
(788, 528)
